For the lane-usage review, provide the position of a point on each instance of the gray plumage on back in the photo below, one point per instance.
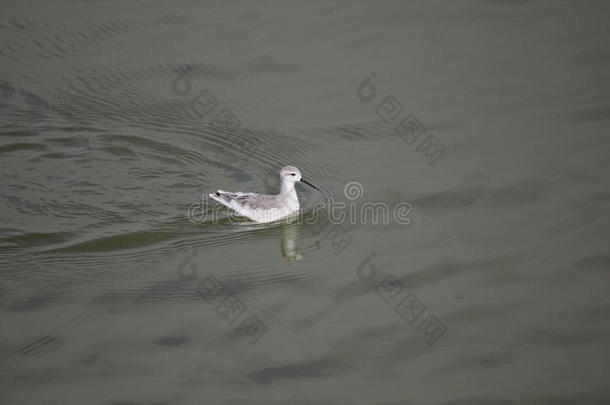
(253, 200)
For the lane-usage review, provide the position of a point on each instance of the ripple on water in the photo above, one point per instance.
(111, 171)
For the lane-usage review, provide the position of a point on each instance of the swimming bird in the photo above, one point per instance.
(266, 208)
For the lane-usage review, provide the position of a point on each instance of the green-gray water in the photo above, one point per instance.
(489, 120)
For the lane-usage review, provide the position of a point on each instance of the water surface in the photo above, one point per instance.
(117, 117)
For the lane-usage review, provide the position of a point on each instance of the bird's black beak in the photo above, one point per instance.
(309, 184)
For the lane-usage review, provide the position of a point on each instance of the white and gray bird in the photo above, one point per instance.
(263, 207)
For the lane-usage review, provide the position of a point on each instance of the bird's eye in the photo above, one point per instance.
(293, 174)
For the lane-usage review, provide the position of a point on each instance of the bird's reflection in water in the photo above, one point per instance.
(290, 235)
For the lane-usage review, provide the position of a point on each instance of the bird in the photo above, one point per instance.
(264, 208)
